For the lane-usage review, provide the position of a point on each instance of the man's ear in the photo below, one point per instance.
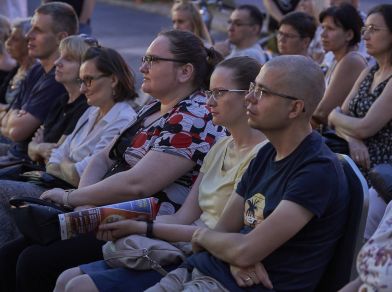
(298, 107)
(185, 72)
(61, 35)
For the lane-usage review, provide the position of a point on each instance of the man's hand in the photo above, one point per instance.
(252, 275)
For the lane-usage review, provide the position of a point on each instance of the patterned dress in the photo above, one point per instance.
(379, 145)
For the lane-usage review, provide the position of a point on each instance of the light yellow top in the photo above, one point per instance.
(222, 170)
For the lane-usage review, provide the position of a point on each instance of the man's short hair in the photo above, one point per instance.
(63, 15)
(303, 23)
(301, 77)
(256, 16)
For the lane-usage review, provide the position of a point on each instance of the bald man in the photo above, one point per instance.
(279, 228)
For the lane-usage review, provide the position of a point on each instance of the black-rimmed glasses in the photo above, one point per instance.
(216, 93)
(87, 80)
(149, 60)
(258, 92)
(91, 41)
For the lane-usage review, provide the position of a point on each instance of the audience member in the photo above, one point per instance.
(222, 169)
(374, 261)
(16, 46)
(243, 31)
(296, 31)
(186, 16)
(84, 10)
(341, 35)
(50, 24)
(108, 84)
(365, 117)
(280, 228)
(6, 61)
(161, 155)
(314, 8)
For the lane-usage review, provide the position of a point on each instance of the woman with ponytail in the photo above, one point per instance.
(160, 155)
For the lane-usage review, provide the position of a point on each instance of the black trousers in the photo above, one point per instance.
(30, 267)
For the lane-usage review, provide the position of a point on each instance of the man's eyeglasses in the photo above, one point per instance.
(281, 35)
(372, 29)
(149, 60)
(238, 23)
(216, 93)
(258, 92)
(87, 80)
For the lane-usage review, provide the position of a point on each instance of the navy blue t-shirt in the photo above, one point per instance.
(312, 177)
(39, 91)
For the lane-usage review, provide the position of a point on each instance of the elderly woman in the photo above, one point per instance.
(107, 84)
(341, 34)
(16, 46)
(365, 117)
(222, 169)
(161, 155)
(185, 16)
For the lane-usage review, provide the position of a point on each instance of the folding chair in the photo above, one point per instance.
(341, 268)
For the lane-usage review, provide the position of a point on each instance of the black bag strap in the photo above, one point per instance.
(116, 152)
(20, 201)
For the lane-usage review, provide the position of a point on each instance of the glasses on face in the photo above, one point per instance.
(238, 23)
(216, 93)
(258, 92)
(371, 29)
(149, 60)
(281, 35)
(86, 81)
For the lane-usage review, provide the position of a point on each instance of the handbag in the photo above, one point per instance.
(141, 253)
(13, 172)
(45, 180)
(380, 177)
(37, 219)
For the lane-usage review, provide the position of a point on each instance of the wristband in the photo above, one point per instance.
(149, 233)
(66, 198)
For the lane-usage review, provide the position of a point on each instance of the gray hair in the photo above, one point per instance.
(23, 24)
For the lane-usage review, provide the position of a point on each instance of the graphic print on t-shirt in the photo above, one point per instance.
(254, 208)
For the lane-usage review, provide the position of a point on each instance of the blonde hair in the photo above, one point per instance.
(75, 46)
(5, 30)
(199, 28)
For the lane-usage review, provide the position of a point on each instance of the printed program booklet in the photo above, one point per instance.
(79, 222)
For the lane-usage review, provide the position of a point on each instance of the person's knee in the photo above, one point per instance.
(65, 277)
(81, 283)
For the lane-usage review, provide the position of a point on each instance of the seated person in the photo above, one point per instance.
(279, 224)
(16, 46)
(103, 71)
(7, 63)
(244, 27)
(161, 155)
(364, 120)
(221, 170)
(296, 31)
(341, 34)
(50, 24)
(186, 16)
(374, 261)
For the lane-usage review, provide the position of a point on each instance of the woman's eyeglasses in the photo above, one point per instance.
(149, 60)
(216, 93)
(88, 79)
(372, 29)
